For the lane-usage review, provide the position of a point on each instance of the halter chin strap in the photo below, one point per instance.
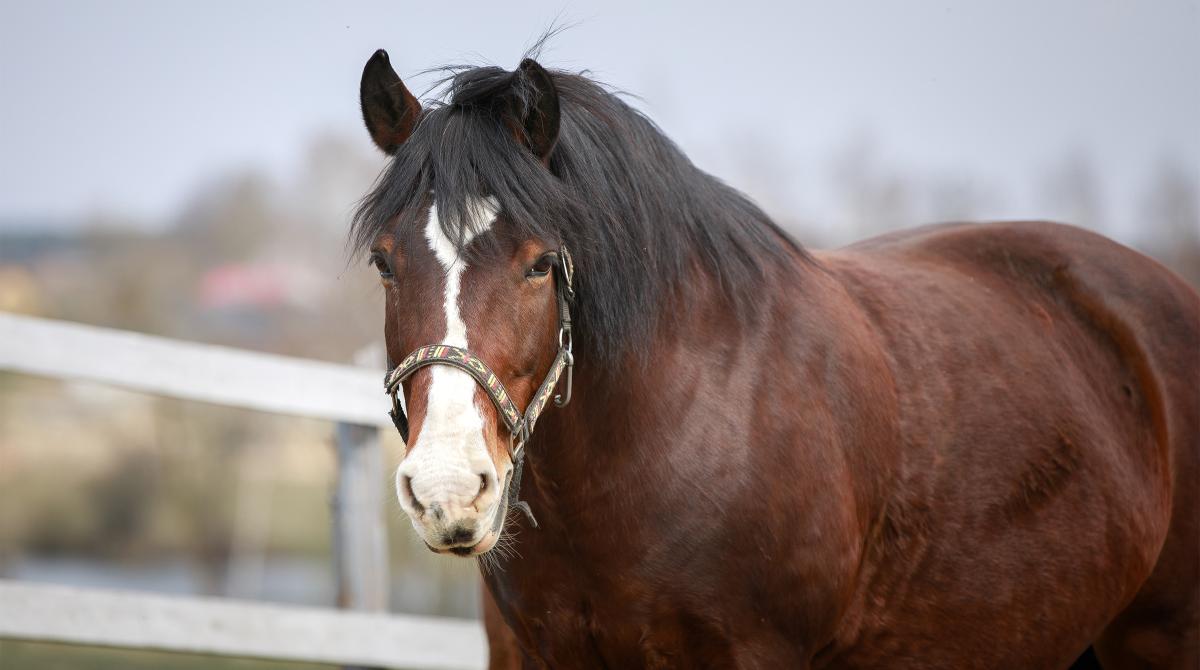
(520, 426)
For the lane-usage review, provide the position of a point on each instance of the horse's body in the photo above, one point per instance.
(959, 446)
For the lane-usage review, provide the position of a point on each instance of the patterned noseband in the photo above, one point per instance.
(520, 426)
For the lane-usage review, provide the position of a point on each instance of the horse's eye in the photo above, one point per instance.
(543, 266)
(381, 264)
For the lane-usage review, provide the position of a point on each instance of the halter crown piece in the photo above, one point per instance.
(520, 426)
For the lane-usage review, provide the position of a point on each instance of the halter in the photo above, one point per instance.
(520, 427)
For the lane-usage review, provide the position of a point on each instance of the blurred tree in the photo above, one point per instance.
(231, 219)
(874, 199)
(121, 507)
(958, 198)
(1170, 224)
(336, 173)
(1071, 192)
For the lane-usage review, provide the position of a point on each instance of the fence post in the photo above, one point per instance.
(359, 533)
(360, 552)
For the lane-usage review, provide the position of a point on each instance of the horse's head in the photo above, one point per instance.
(469, 279)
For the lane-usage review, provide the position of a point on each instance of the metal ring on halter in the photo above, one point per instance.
(565, 332)
(519, 438)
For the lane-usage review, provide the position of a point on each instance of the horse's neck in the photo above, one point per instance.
(638, 444)
(601, 452)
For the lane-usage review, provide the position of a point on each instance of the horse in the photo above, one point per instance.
(958, 446)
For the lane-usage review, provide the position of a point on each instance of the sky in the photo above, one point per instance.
(127, 107)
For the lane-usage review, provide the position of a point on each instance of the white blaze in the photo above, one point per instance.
(451, 453)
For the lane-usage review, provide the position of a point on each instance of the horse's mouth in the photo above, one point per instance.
(490, 538)
(483, 546)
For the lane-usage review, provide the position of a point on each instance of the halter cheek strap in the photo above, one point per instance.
(520, 426)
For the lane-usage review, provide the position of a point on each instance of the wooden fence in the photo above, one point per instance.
(349, 395)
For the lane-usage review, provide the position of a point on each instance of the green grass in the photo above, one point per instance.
(16, 655)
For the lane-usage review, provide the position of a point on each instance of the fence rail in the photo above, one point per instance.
(236, 628)
(193, 371)
(349, 395)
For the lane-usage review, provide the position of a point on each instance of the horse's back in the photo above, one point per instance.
(1139, 312)
(1088, 353)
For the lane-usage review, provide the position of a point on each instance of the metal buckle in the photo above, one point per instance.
(568, 270)
(561, 399)
(519, 437)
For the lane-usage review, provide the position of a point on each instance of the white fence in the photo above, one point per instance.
(349, 395)
(235, 628)
(192, 371)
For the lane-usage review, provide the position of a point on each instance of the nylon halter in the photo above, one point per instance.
(520, 426)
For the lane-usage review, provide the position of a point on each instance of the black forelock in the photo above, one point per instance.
(636, 214)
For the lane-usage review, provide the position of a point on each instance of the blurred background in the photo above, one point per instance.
(188, 170)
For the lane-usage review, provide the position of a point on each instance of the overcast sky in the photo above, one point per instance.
(128, 106)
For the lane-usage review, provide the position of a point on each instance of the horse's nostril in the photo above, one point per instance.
(412, 497)
(485, 483)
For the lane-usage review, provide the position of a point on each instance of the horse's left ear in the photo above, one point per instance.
(535, 119)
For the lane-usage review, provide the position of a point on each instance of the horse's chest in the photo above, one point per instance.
(578, 640)
(654, 631)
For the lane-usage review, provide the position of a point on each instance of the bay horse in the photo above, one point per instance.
(959, 446)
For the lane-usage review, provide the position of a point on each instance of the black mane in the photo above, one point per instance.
(636, 214)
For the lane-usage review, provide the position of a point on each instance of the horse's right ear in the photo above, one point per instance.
(388, 109)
